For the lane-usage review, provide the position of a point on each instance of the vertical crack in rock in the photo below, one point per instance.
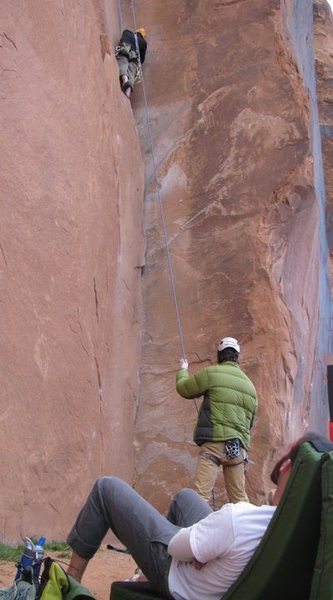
(99, 380)
(221, 4)
(3, 256)
(100, 393)
(96, 300)
(80, 333)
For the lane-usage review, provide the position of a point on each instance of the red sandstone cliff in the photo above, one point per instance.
(323, 25)
(71, 257)
(89, 347)
(239, 168)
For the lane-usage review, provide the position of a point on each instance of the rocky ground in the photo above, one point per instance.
(105, 567)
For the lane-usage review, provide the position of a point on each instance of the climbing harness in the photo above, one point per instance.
(232, 449)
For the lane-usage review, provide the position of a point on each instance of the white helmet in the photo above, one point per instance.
(228, 342)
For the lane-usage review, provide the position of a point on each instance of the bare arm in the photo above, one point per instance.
(180, 548)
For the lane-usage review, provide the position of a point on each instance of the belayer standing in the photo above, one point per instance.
(224, 421)
(130, 54)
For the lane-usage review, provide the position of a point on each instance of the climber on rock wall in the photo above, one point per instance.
(224, 421)
(130, 45)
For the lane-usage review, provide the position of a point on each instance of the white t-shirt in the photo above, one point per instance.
(225, 540)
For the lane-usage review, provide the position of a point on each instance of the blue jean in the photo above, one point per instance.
(146, 533)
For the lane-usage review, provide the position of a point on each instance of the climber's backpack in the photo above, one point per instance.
(24, 588)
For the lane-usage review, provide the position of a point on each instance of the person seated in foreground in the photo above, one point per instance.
(191, 554)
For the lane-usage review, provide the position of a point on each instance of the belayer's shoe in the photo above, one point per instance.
(138, 576)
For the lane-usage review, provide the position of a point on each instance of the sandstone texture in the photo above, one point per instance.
(236, 138)
(323, 24)
(71, 256)
(112, 267)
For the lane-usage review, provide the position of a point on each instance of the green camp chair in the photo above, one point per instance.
(322, 581)
(133, 590)
(283, 564)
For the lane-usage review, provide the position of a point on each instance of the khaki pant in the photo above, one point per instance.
(233, 472)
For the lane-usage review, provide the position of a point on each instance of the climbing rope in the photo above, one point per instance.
(165, 235)
(121, 19)
(164, 228)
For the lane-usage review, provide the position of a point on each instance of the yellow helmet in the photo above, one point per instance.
(143, 32)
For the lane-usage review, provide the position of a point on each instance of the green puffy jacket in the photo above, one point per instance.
(229, 405)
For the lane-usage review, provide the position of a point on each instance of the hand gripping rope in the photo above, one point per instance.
(165, 235)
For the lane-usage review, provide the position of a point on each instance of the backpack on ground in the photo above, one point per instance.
(54, 584)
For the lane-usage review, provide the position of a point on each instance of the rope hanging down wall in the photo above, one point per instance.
(160, 201)
(164, 228)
